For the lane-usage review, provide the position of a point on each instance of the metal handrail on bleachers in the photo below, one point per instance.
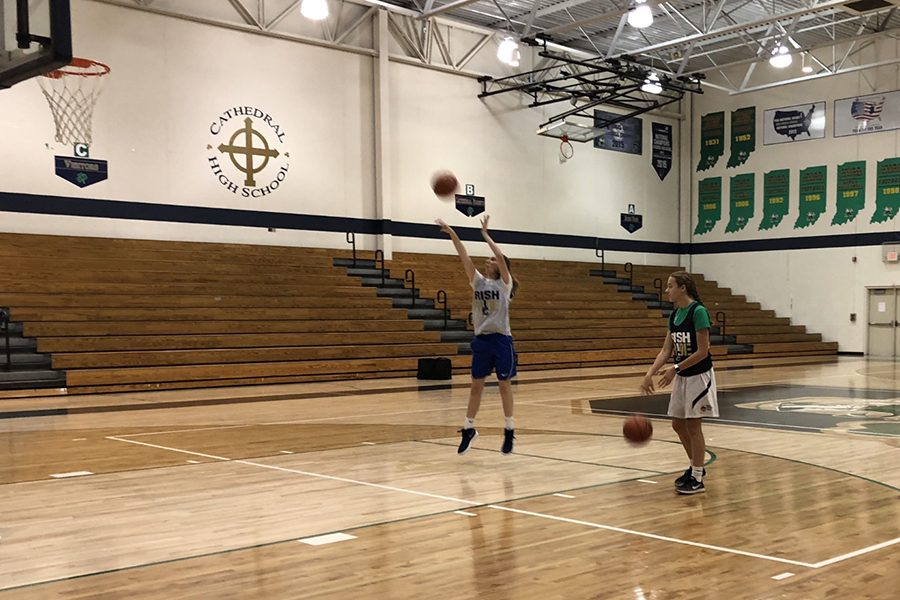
(441, 298)
(4, 325)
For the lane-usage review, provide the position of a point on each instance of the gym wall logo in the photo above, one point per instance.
(248, 157)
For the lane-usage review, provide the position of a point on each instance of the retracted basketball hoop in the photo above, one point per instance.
(72, 91)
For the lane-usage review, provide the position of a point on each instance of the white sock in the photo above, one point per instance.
(510, 422)
(469, 423)
(697, 473)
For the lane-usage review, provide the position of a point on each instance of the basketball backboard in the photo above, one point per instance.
(572, 130)
(35, 37)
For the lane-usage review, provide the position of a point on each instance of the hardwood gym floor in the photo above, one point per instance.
(216, 493)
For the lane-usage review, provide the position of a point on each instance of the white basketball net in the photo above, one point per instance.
(72, 92)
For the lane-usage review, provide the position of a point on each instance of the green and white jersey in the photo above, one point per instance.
(490, 304)
(684, 323)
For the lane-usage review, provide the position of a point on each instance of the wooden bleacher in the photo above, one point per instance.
(120, 315)
(563, 317)
(750, 324)
(136, 314)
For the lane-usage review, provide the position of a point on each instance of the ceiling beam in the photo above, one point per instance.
(444, 8)
(739, 27)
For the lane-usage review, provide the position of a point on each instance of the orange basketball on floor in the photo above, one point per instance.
(637, 429)
(444, 183)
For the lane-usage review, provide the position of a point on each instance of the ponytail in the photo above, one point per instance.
(515, 282)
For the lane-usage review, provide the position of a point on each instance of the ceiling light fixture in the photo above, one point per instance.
(314, 10)
(781, 57)
(805, 67)
(508, 52)
(640, 15)
(651, 84)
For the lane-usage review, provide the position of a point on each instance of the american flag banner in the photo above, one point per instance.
(866, 110)
(860, 115)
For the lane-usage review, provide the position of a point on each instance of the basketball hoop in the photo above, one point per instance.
(72, 91)
(566, 151)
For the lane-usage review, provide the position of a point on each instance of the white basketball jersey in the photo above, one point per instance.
(490, 304)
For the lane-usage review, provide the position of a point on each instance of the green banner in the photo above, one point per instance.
(887, 195)
(743, 135)
(709, 204)
(776, 194)
(851, 191)
(742, 202)
(812, 196)
(712, 140)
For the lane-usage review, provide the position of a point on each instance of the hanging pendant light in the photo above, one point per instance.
(641, 15)
(508, 52)
(314, 10)
(781, 57)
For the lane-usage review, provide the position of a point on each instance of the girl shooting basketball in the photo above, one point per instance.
(694, 389)
(492, 347)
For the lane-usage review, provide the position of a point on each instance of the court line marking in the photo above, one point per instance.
(563, 495)
(781, 576)
(515, 510)
(711, 421)
(70, 474)
(464, 513)
(212, 456)
(647, 481)
(299, 472)
(358, 482)
(855, 553)
(820, 564)
(328, 538)
(652, 536)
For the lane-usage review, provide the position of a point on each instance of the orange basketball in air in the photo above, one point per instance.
(444, 183)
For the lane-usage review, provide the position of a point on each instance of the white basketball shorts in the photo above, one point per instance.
(694, 396)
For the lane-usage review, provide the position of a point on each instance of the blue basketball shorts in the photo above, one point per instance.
(493, 351)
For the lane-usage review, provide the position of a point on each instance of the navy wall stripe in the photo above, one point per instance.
(146, 211)
(846, 240)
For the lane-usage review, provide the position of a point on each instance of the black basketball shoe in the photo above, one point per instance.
(508, 437)
(468, 436)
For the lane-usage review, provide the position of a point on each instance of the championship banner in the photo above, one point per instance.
(851, 191)
(709, 204)
(743, 136)
(794, 123)
(624, 136)
(712, 140)
(741, 207)
(887, 195)
(776, 195)
(867, 114)
(662, 149)
(812, 196)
